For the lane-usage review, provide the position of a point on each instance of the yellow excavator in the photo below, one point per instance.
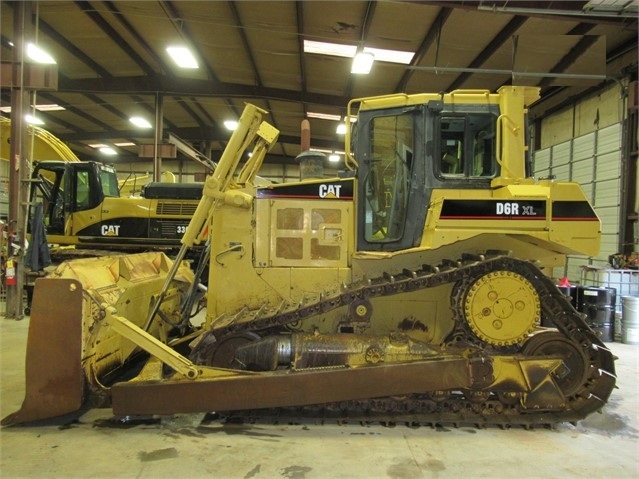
(410, 288)
(83, 207)
(86, 206)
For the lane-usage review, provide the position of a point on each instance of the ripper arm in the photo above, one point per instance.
(219, 187)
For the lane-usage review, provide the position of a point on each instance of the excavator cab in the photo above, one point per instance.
(67, 188)
(83, 207)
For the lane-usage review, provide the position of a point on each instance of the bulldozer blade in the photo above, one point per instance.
(265, 390)
(53, 372)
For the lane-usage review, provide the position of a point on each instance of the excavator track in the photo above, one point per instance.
(587, 382)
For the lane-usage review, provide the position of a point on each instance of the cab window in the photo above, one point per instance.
(82, 188)
(467, 146)
(452, 146)
(109, 181)
(387, 181)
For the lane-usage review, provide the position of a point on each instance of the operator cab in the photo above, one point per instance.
(405, 152)
(64, 188)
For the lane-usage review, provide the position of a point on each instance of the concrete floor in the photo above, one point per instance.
(603, 446)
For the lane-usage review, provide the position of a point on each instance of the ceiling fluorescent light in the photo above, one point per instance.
(33, 120)
(349, 51)
(183, 57)
(107, 150)
(391, 56)
(341, 129)
(50, 107)
(333, 158)
(323, 116)
(335, 49)
(126, 143)
(97, 145)
(38, 55)
(140, 122)
(230, 125)
(362, 63)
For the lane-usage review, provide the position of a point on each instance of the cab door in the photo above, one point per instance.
(392, 189)
(50, 188)
(70, 196)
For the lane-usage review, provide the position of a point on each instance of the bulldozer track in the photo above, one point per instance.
(481, 408)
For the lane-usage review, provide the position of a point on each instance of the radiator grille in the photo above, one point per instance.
(175, 208)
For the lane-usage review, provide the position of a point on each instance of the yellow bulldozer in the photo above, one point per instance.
(412, 287)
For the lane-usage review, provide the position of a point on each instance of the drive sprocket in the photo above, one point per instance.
(501, 307)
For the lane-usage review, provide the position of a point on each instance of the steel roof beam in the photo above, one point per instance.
(503, 36)
(150, 85)
(431, 36)
(88, 9)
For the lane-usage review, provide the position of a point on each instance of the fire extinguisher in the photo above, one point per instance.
(10, 273)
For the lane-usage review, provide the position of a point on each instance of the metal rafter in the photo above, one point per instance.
(245, 42)
(71, 48)
(202, 110)
(95, 16)
(186, 86)
(299, 11)
(428, 40)
(563, 64)
(569, 58)
(138, 37)
(77, 111)
(366, 26)
(55, 119)
(550, 92)
(189, 110)
(173, 14)
(193, 133)
(503, 36)
(249, 52)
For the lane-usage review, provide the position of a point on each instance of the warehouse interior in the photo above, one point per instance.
(316, 269)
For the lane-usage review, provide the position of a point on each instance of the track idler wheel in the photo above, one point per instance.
(501, 308)
(573, 372)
